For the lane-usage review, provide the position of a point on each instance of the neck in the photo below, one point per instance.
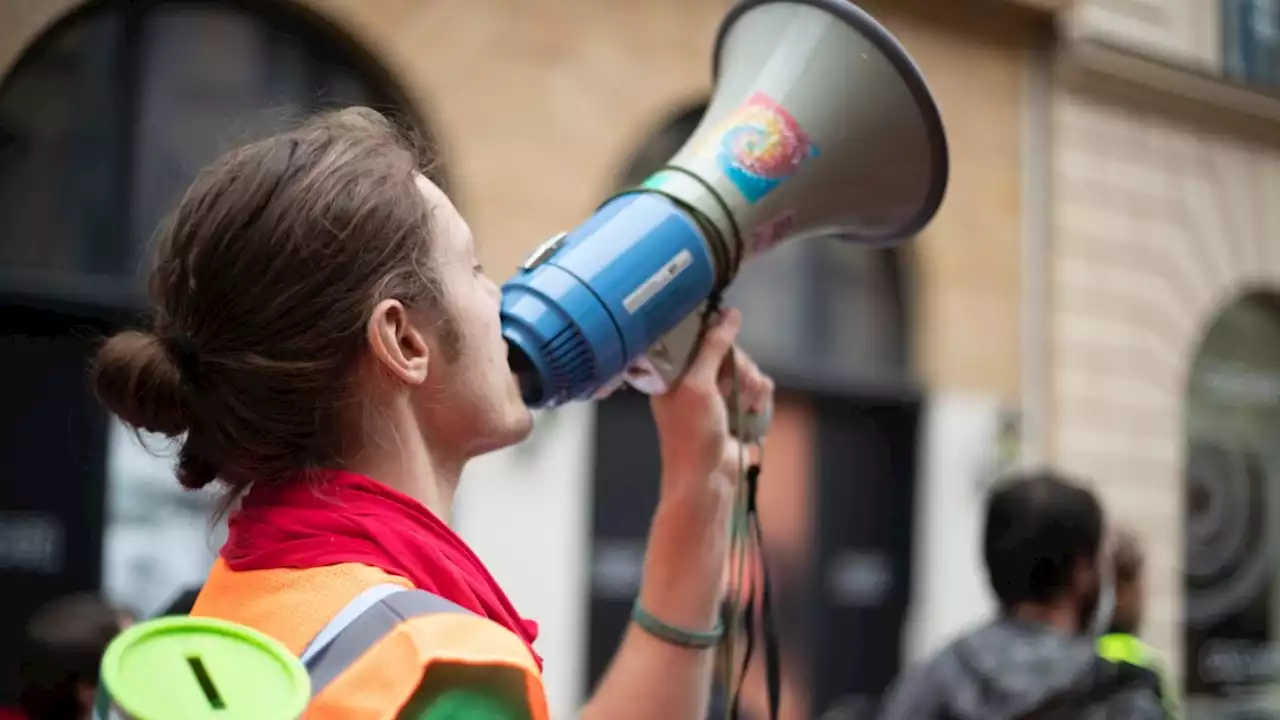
(407, 464)
(426, 482)
(1061, 616)
(1123, 629)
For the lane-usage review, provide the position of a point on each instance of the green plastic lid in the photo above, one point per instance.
(191, 668)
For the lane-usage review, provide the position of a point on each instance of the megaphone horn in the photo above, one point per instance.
(820, 124)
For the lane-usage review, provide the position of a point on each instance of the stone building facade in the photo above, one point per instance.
(1164, 230)
(1112, 193)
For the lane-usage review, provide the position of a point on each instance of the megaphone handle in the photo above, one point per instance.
(662, 365)
(657, 370)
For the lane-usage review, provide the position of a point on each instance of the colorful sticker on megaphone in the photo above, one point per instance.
(759, 145)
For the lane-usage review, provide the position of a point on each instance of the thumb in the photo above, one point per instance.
(716, 343)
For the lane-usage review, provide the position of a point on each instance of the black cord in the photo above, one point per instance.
(772, 654)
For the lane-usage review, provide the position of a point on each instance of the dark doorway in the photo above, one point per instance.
(52, 459)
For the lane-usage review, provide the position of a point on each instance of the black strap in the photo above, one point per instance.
(772, 656)
(749, 619)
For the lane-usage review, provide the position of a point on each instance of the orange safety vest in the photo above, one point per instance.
(366, 637)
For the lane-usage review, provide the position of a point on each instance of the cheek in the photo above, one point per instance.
(487, 323)
(484, 350)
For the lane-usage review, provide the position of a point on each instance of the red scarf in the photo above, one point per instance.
(349, 518)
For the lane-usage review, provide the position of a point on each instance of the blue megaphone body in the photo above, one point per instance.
(589, 302)
(820, 124)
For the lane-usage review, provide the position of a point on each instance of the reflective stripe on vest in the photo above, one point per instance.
(365, 674)
(367, 619)
(345, 616)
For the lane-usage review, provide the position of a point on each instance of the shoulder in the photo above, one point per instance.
(462, 638)
(1127, 691)
(415, 647)
(918, 691)
(1120, 676)
(291, 605)
(1138, 703)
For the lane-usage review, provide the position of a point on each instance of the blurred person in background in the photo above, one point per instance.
(1121, 643)
(327, 347)
(1044, 549)
(61, 652)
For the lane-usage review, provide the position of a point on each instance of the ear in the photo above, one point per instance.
(396, 343)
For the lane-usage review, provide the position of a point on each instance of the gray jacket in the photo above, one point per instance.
(1010, 670)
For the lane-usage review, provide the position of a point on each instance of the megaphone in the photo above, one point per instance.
(820, 124)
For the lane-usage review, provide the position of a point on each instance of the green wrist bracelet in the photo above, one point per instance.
(675, 635)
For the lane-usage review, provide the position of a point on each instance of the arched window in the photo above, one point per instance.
(106, 118)
(1232, 476)
(103, 123)
(821, 309)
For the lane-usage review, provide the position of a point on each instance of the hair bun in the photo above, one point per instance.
(135, 377)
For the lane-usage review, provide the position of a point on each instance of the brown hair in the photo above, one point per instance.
(263, 282)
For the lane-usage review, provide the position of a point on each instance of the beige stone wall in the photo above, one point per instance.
(1159, 224)
(966, 265)
(1184, 32)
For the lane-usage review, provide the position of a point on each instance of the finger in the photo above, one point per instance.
(714, 348)
(734, 461)
(761, 398)
(754, 387)
(754, 426)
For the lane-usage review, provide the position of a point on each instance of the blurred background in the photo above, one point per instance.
(1098, 292)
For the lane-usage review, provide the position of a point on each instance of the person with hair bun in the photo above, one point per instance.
(326, 348)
